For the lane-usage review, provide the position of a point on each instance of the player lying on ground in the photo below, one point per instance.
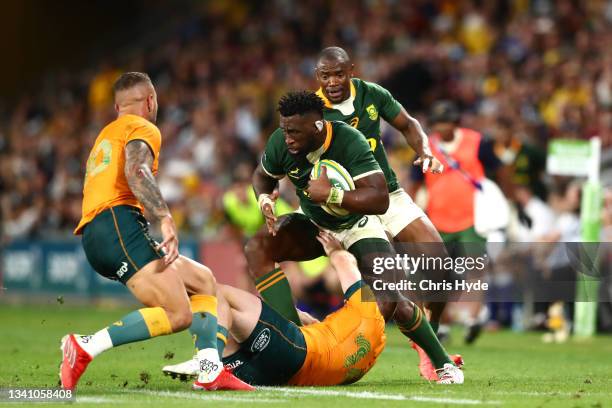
(304, 139)
(178, 293)
(362, 104)
(271, 350)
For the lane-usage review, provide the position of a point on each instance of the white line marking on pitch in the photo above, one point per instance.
(459, 401)
(205, 396)
(549, 393)
(375, 395)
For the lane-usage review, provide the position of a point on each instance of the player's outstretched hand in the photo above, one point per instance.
(266, 205)
(170, 243)
(429, 163)
(329, 242)
(318, 189)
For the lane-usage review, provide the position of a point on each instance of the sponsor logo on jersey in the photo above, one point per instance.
(121, 271)
(363, 222)
(261, 341)
(354, 122)
(372, 112)
(234, 364)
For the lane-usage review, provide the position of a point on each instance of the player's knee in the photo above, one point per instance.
(206, 280)
(253, 247)
(256, 253)
(387, 309)
(180, 319)
(404, 311)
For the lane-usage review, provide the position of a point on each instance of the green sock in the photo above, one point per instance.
(204, 323)
(419, 331)
(202, 326)
(275, 290)
(140, 325)
(222, 334)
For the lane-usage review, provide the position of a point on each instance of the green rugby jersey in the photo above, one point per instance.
(364, 108)
(343, 144)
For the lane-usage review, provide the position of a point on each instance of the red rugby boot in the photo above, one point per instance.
(224, 381)
(74, 362)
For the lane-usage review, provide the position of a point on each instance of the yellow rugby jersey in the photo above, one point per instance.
(105, 182)
(344, 347)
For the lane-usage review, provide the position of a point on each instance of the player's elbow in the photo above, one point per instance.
(380, 203)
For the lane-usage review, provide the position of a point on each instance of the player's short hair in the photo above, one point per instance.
(129, 80)
(300, 103)
(334, 53)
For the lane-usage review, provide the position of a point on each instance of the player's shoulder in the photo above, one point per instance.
(346, 135)
(276, 138)
(276, 143)
(129, 123)
(342, 129)
(136, 121)
(367, 87)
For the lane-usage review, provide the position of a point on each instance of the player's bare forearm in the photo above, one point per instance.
(413, 132)
(140, 178)
(370, 196)
(262, 182)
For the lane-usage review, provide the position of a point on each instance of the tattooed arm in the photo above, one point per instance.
(138, 164)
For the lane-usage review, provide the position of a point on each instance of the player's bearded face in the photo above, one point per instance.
(334, 79)
(299, 132)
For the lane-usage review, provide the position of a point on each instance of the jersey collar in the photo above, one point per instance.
(313, 157)
(344, 106)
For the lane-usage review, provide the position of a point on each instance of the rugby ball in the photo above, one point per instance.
(339, 177)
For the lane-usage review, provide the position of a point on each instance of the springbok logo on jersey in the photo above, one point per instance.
(372, 112)
(354, 122)
(372, 143)
(294, 173)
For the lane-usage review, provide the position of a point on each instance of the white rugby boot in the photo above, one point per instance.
(449, 374)
(183, 371)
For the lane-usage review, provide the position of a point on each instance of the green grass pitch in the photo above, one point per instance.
(502, 369)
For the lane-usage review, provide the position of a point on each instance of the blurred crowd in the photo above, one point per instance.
(521, 72)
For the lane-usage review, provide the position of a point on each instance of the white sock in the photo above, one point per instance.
(96, 343)
(210, 365)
